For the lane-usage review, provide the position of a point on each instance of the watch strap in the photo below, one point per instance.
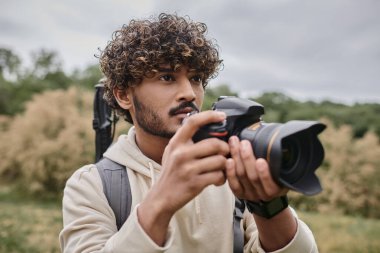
(267, 209)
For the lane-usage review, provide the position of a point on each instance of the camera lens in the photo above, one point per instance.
(292, 150)
(290, 154)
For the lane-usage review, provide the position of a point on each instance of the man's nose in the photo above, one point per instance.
(186, 90)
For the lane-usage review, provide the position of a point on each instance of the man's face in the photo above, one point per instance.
(161, 102)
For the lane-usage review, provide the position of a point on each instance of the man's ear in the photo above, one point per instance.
(123, 98)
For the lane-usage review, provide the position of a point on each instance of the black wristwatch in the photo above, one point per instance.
(267, 209)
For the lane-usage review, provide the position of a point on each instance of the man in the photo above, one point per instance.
(156, 73)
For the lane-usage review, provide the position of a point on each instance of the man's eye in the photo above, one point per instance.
(197, 79)
(166, 78)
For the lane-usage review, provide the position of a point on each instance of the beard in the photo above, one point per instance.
(151, 122)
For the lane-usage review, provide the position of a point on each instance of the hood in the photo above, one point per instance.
(126, 152)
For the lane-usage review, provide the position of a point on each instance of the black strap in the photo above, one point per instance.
(117, 189)
(102, 122)
(238, 233)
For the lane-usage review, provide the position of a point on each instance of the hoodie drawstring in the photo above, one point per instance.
(198, 209)
(152, 174)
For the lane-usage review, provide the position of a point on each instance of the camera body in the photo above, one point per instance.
(292, 150)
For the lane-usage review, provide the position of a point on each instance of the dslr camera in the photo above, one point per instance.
(292, 150)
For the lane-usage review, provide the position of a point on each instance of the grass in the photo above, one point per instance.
(33, 226)
(29, 226)
(344, 234)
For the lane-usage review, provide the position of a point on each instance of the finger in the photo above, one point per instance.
(233, 181)
(208, 147)
(249, 161)
(270, 188)
(210, 163)
(238, 150)
(215, 177)
(235, 154)
(194, 122)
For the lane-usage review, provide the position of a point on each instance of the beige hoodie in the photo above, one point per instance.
(202, 225)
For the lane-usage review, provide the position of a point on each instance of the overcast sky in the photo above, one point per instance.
(308, 49)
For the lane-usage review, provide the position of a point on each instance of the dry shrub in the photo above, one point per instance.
(349, 175)
(4, 122)
(42, 147)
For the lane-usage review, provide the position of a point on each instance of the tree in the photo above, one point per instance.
(45, 62)
(18, 85)
(213, 93)
(277, 106)
(88, 77)
(9, 63)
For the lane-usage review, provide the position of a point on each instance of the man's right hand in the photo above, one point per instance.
(187, 168)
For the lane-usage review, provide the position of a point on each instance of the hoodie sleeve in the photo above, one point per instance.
(303, 240)
(89, 222)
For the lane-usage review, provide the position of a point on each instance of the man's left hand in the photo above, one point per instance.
(250, 178)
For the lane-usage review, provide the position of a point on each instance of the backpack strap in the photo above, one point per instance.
(238, 233)
(116, 187)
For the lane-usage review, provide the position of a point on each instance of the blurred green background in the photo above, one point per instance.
(46, 133)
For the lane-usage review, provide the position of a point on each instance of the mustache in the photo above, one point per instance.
(184, 105)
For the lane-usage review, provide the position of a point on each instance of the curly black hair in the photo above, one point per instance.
(138, 49)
